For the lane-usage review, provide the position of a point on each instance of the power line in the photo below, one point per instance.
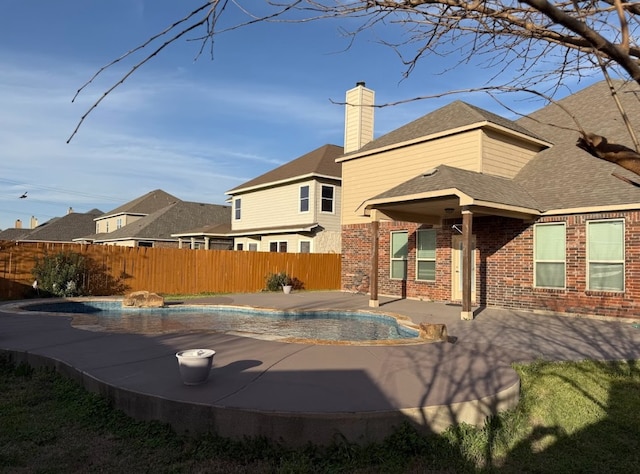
(62, 191)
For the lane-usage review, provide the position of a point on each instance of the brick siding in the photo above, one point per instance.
(504, 265)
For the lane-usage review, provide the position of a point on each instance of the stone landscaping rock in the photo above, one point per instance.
(434, 332)
(143, 299)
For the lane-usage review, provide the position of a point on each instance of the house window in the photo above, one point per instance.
(605, 255)
(118, 223)
(549, 255)
(399, 253)
(304, 198)
(278, 246)
(237, 208)
(253, 247)
(97, 227)
(305, 246)
(426, 255)
(239, 246)
(145, 244)
(107, 226)
(326, 204)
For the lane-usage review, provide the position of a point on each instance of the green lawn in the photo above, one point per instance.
(573, 417)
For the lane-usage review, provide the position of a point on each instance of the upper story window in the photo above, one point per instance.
(107, 226)
(97, 227)
(304, 198)
(605, 255)
(327, 199)
(549, 255)
(399, 254)
(118, 223)
(237, 208)
(426, 255)
(278, 246)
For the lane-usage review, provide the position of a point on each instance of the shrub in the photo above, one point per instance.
(275, 281)
(62, 274)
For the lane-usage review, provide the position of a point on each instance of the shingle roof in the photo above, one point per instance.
(13, 234)
(479, 186)
(145, 204)
(455, 115)
(565, 176)
(319, 162)
(63, 229)
(176, 218)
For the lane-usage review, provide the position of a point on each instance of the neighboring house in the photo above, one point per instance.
(293, 208)
(462, 205)
(133, 210)
(58, 229)
(158, 229)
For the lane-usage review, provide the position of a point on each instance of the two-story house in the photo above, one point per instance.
(158, 219)
(292, 208)
(463, 205)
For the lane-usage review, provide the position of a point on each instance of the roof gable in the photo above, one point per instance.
(456, 115)
(143, 205)
(319, 162)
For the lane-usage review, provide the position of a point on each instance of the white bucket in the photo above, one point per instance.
(195, 365)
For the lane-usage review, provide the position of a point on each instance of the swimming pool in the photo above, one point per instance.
(335, 326)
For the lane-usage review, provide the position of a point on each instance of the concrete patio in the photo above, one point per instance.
(299, 393)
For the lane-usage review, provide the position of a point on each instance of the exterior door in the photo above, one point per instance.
(456, 268)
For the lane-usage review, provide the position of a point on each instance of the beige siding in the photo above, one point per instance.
(358, 121)
(111, 223)
(366, 177)
(505, 155)
(330, 221)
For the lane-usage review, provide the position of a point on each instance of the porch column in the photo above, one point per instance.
(373, 277)
(207, 242)
(193, 243)
(179, 242)
(467, 220)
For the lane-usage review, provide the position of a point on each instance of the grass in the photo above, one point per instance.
(573, 417)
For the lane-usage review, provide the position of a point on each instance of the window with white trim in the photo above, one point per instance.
(253, 247)
(327, 197)
(237, 208)
(119, 223)
(399, 254)
(605, 255)
(305, 246)
(549, 255)
(239, 246)
(278, 246)
(304, 198)
(426, 254)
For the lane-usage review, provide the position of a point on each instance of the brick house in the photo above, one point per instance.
(465, 206)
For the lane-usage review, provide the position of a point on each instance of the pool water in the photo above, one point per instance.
(317, 325)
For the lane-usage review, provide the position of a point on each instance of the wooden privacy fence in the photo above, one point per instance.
(115, 270)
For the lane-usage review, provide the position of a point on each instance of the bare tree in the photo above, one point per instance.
(536, 41)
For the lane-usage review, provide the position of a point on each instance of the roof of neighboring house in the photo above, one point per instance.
(479, 186)
(320, 162)
(173, 219)
(144, 205)
(62, 229)
(565, 176)
(217, 230)
(457, 114)
(13, 233)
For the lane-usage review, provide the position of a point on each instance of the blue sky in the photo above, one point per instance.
(192, 128)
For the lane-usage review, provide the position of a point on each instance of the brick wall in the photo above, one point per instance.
(504, 265)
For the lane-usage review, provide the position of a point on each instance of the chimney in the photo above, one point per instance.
(34, 222)
(18, 224)
(358, 117)
(70, 210)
